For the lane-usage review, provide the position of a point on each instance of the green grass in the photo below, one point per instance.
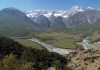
(61, 40)
(28, 43)
(63, 43)
(52, 35)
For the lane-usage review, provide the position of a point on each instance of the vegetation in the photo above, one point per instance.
(98, 68)
(84, 60)
(28, 43)
(95, 40)
(63, 43)
(10, 62)
(61, 40)
(14, 56)
(13, 22)
(87, 29)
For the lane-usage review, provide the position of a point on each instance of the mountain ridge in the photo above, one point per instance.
(72, 17)
(14, 22)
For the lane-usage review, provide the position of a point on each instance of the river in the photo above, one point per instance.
(87, 45)
(62, 51)
(52, 48)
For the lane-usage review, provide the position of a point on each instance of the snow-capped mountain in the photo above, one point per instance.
(52, 16)
(42, 20)
(63, 14)
(36, 13)
(70, 17)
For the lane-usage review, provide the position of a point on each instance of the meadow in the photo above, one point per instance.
(61, 40)
(28, 43)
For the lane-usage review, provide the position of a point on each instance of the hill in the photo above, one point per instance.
(13, 22)
(14, 56)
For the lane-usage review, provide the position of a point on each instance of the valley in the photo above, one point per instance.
(55, 42)
(43, 39)
(61, 40)
(60, 43)
(62, 29)
(51, 48)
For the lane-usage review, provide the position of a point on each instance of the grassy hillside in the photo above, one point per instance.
(87, 28)
(13, 22)
(58, 27)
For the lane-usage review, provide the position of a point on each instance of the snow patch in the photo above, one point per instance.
(90, 8)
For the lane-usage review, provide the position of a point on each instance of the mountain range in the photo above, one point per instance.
(71, 16)
(76, 18)
(14, 22)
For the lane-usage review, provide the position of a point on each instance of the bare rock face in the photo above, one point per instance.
(84, 60)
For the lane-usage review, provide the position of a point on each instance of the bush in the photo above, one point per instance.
(10, 62)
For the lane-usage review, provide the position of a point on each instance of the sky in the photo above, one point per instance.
(25, 5)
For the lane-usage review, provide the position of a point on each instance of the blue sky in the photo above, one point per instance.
(48, 4)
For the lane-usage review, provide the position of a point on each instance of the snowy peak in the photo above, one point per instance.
(45, 13)
(35, 13)
(91, 8)
(76, 8)
(48, 14)
(64, 14)
(69, 18)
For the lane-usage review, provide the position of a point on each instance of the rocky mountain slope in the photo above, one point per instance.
(53, 16)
